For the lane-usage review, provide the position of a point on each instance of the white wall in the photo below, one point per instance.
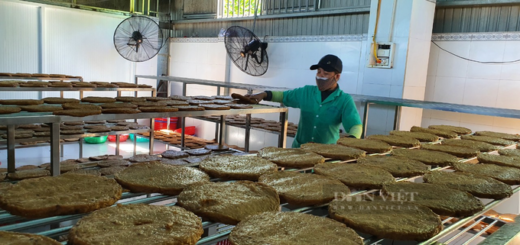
(455, 80)
(289, 61)
(54, 40)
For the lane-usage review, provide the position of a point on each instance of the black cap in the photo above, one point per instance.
(329, 63)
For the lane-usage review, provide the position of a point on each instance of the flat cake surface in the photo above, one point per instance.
(229, 202)
(290, 157)
(514, 137)
(334, 151)
(16, 238)
(21, 102)
(507, 161)
(9, 109)
(398, 166)
(41, 108)
(138, 224)
(439, 198)
(459, 151)
(385, 218)
(156, 177)
(112, 163)
(356, 175)
(370, 146)
(427, 157)
(28, 174)
(60, 195)
(171, 154)
(198, 152)
(441, 133)
(487, 139)
(143, 158)
(508, 175)
(395, 140)
(59, 100)
(78, 112)
(117, 105)
(509, 152)
(477, 185)
(456, 129)
(302, 189)
(420, 136)
(80, 106)
(111, 170)
(286, 228)
(94, 99)
(481, 146)
(237, 167)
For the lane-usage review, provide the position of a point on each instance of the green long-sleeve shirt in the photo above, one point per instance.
(320, 121)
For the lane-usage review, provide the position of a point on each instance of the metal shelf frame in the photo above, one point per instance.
(429, 105)
(220, 124)
(54, 121)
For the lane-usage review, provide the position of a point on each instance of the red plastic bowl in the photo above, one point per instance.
(122, 138)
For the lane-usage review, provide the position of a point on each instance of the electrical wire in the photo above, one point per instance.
(375, 31)
(476, 61)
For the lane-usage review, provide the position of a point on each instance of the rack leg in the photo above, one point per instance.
(365, 121)
(10, 149)
(397, 118)
(152, 131)
(183, 89)
(80, 148)
(80, 95)
(183, 132)
(62, 149)
(61, 94)
(217, 124)
(222, 129)
(248, 132)
(282, 138)
(135, 144)
(55, 149)
(117, 145)
(118, 93)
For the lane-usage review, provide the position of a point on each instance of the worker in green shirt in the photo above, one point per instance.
(323, 107)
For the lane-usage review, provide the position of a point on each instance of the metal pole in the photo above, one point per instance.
(135, 144)
(365, 121)
(397, 119)
(62, 147)
(81, 148)
(80, 95)
(282, 138)
(152, 131)
(10, 149)
(61, 94)
(248, 132)
(55, 148)
(183, 131)
(222, 129)
(117, 144)
(216, 124)
(118, 93)
(184, 88)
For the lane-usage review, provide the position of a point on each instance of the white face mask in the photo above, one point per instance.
(321, 78)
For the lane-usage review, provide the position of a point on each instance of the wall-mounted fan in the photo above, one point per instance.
(138, 38)
(246, 50)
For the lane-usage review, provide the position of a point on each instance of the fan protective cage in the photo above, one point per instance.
(237, 39)
(138, 38)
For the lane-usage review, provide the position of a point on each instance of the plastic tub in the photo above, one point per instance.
(96, 140)
(191, 130)
(139, 138)
(162, 123)
(122, 138)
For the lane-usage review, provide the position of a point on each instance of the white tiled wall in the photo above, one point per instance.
(73, 42)
(289, 64)
(454, 80)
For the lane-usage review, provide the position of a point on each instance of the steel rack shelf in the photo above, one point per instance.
(429, 105)
(45, 117)
(242, 126)
(221, 232)
(187, 81)
(70, 78)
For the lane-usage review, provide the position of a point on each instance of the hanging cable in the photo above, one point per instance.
(375, 32)
(476, 61)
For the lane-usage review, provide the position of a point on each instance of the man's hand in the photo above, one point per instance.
(258, 97)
